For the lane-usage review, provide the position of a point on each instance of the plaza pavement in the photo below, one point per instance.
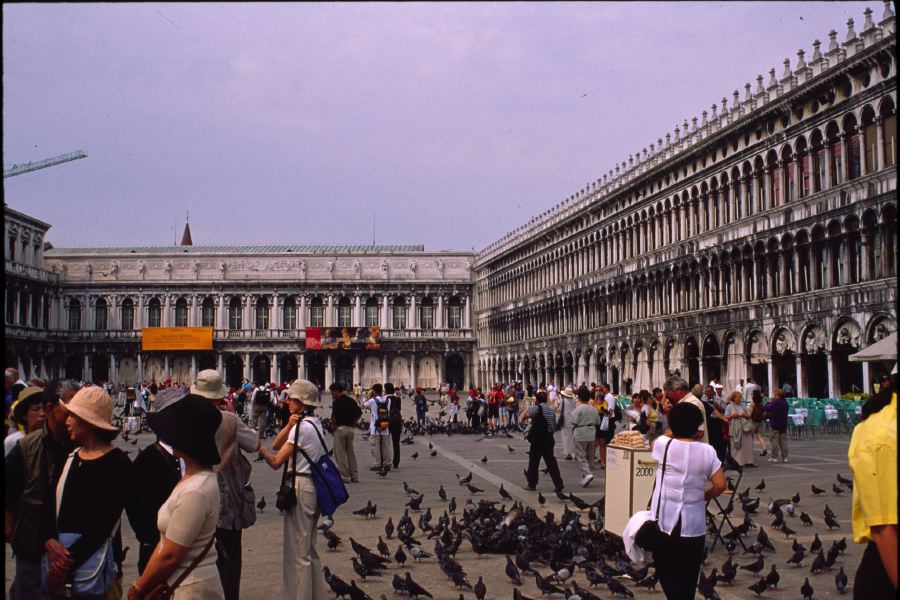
(811, 462)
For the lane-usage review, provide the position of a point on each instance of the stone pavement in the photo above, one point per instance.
(811, 462)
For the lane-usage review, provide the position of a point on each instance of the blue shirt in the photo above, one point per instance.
(779, 414)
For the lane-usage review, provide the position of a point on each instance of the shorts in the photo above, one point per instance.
(493, 412)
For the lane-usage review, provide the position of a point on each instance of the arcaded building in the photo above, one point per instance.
(758, 240)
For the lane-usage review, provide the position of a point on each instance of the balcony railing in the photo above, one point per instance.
(16, 268)
(237, 334)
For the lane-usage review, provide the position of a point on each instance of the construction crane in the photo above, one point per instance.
(43, 164)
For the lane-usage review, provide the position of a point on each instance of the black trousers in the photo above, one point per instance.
(678, 564)
(228, 562)
(145, 551)
(871, 580)
(395, 444)
(539, 450)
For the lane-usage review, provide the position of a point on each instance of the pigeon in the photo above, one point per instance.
(838, 491)
(816, 544)
(480, 589)
(409, 490)
(261, 505)
(759, 587)
(541, 499)
(451, 508)
(415, 503)
(389, 528)
(414, 455)
(816, 491)
(366, 511)
(414, 589)
(773, 578)
(795, 546)
(729, 571)
(615, 588)
(648, 582)
(418, 553)
(517, 595)
(788, 532)
(382, 547)
(512, 571)
(844, 481)
(484, 459)
(464, 480)
(356, 593)
(474, 489)
(796, 498)
(829, 513)
(806, 590)
(430, 446)
(340, 587)
(399, 584)
(840, 581)
(504, 494)
(818, 564)
(510, 448)
(761, 485)
(805, 519)
(400, 556)
(433, 453)
(442, 494)
(832, 524)
(756, 566)
(333, 539)
(797, 558)
(841, 544)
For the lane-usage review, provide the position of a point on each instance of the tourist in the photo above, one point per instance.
(873, 461)
(651, 419)
(236, 500)
(454, 410)
(260, 402)
(608, 411)
(13, 386)
(91, 492)
(758, 417)
(396, 421)
(303, 579)
(155, 473)
(540, 438)
(345, 414)
(494, 399)
(715, 421)
(676, 390)
(585, 419)
(421, 405)
(379, 433)
(740, 430)
(776, 410)
(185, 557)
(637, 414)
(33, 467)
(564, 409)
(513, 402)
(740, 386)
(680, 486)
(27, 414)
(659, 398)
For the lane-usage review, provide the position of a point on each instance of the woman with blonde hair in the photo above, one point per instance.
(740, 430)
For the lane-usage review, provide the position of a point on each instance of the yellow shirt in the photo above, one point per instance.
(873, 461)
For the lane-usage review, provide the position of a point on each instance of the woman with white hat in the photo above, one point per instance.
(91, 493)
(303, 578)
(565, 411)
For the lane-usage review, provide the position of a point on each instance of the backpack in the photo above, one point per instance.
(382, 415)
(262, 397)
(396, 419)
(757, 413)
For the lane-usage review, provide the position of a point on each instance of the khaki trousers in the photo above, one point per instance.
(303, 579)
(778, 441)
(584, 454)
(382, 450)
(344, 455)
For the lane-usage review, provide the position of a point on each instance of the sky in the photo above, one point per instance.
(446, 125)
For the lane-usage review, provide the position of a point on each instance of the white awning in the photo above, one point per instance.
(884, 350)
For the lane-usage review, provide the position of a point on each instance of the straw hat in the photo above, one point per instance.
(210, 385)
(568, 392)
(304, 391)
(94, 406)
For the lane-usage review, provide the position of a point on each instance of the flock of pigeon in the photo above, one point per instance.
(571, 556)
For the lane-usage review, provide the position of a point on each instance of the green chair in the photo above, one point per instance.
(814, 420)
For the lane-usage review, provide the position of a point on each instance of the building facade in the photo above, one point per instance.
(259, 302)
(760, 241)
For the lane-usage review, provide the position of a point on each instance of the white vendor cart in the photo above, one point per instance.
(630, 473)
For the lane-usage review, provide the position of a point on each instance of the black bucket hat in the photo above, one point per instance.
(189, 426)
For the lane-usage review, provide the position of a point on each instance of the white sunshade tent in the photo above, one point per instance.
(883, 350)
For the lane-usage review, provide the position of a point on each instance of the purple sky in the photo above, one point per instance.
(294, 123)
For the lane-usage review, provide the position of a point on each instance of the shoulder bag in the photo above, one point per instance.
(330, 489)
(163, 591)
(95, 575)
(649, 535)
(286, 497)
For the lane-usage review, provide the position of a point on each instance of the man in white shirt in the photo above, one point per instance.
(551, 393)
(676, 390)
(379, 433)
(740, 387)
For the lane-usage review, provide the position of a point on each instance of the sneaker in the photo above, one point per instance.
(764, 452)
(773, 460)
(587, 479)
(784, 461)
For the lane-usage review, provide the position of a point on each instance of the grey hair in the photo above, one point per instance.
(69, 386)
(675, 383)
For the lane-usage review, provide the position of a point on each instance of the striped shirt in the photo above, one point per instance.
(548, 415)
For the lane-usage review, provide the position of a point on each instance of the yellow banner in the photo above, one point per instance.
(177, 338)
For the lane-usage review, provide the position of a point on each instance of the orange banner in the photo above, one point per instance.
(177, 338)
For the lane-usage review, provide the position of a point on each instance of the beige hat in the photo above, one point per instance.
(304, 391)
(568, 392)
(210, 385)
(94, 406)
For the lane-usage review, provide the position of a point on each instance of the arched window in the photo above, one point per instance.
(181, 313)
(817, 162)
(853, 247)
(128, 314)
(344, 312)
(235, 313)
(838, 256)
(262, 313)
(854, 149)
(889, 133)
(819, 264)
(372, 306)
(870, 139)
(788, 170)
(803, 169)
(773, 172)
(101, 314)
(316, 312)
(289, 313)
(208, 313)
(802, 245)
(398, 313)
(154, 313)
(426, 314)
(454, 313)
(74, 314)
(835, 146)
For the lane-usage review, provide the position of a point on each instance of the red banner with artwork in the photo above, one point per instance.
(343, 338)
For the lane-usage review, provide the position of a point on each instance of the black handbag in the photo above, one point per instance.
(649, 535)
(286, 497)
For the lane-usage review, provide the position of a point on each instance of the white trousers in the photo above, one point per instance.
(303, 579)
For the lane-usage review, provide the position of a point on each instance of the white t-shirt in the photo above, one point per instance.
(308, 441)
(372, 405)
(189, 519)
(689, 466)
(551, 392)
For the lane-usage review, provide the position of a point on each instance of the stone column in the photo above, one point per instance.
(301, 318)
(247, 370)
(829, 361)
(167, 372)
(384, 372)
(220, 318)
(413, 321)
(140, 368)
(220, 364)
(301, 366)
(86, 375)
(384, 313)
(356, 366)
(357, 311)
(248, 323)
(167, 311)
(329, 314)
(276, 364)
(867, 389)
(702, 371)
(273, 322)
(770, 370)
(826, 148)
(801, 380)
(113, 376)
(467, 320)
(329, 367)
(193, 367)
(845, 156)
(412, 370)
(879, 157)
(439, 320)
